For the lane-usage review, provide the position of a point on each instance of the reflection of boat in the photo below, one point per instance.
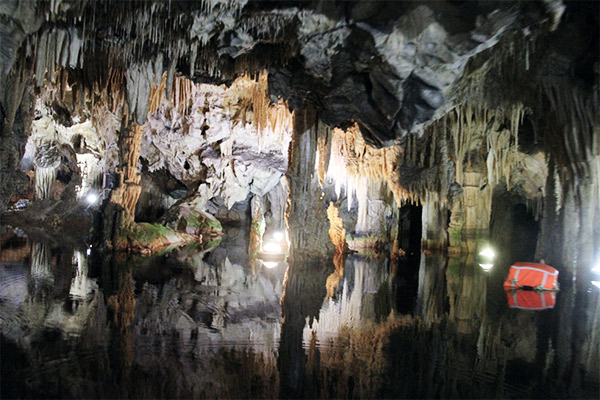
(535, 276)
(531, 299)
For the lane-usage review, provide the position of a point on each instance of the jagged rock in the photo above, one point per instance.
(231, 156)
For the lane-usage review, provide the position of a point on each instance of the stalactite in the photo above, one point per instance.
(356, 167)
(44, 178)
(577, 133)
(129, 189)
(91, 174)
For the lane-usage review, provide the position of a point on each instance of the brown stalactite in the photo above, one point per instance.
(128, 192)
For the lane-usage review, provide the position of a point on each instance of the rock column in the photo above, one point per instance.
(128, 192)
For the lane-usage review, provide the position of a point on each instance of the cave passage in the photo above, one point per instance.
(299, 199)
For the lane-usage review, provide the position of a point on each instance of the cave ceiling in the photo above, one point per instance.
(390, 67)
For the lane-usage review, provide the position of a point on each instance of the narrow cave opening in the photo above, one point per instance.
(524, 232)
(514, 228)
(410, 228)
(407, 275)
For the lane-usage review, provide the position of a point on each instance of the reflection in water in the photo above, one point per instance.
(40, 265)
(81, 286)
(193, 324)
(355, 299)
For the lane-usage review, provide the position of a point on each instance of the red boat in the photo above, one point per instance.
(533, 276)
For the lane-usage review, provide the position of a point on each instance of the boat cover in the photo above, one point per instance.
(531, 299)
(531, 275)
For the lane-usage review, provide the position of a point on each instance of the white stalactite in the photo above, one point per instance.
(44, 177)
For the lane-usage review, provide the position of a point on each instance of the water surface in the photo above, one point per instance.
(194, 324)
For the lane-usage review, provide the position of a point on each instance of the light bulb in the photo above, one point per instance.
(91, 198)
(488, 253)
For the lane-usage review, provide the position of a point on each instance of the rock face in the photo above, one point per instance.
(219, 143)
(387, 74)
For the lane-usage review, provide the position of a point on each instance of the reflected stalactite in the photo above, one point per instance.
(257, 226)
(467, 293)
(197, 326)
(117, 284)
(42, 277)
(304, 290)
(81, 285)
(336, 276)
(337, 235)
(432, 295)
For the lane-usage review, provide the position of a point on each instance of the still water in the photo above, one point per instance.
(215, 324)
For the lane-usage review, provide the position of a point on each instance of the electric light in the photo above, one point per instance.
(486, 267)
(278, 236)
(91, 198)
(272, 247)
(270, 264)
(488, 253)
(88, 252)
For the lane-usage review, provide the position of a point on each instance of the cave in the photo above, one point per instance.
(299, 199)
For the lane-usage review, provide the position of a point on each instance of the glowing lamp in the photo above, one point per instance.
(91, 198)
(278, 236)
(488, 253)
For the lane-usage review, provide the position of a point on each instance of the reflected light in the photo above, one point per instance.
(488, 253)
(88, 252)
(486, 267)
(278, 236)
(91, 198)
(596, 283)
(272, 247)
(596, 269)
(270, 264)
